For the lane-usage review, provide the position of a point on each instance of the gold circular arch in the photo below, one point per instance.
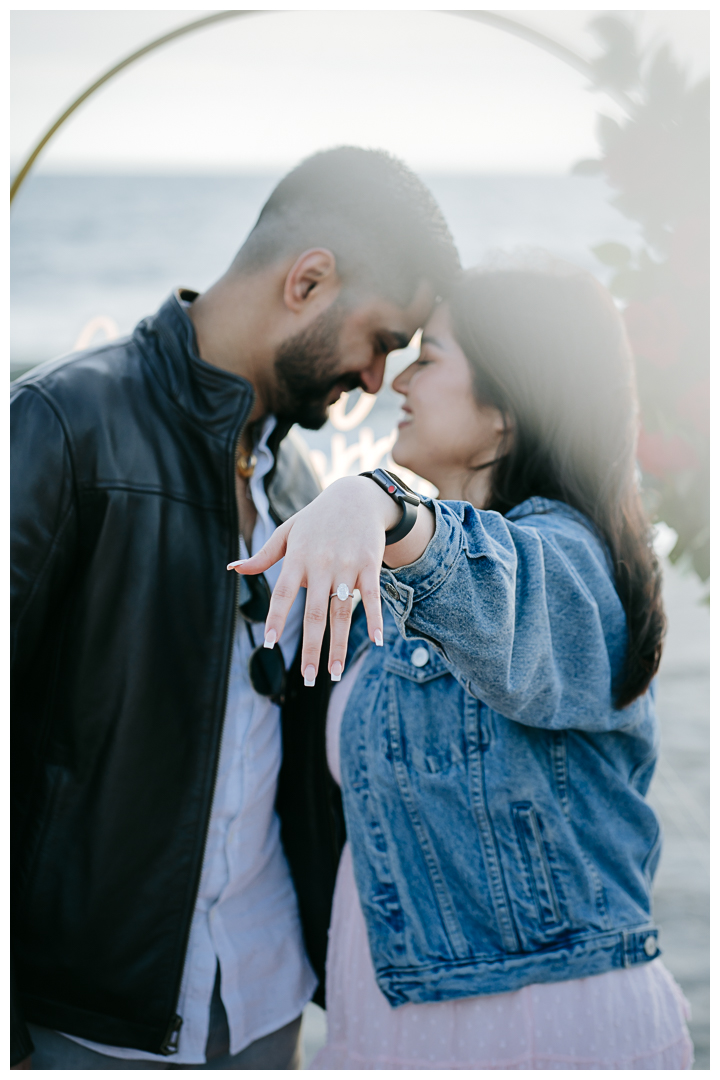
(489, 18)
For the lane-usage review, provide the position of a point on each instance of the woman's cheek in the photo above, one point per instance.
(401, 445)
(405, 450)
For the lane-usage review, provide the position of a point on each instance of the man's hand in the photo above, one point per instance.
(339, 539)
(25, 1064)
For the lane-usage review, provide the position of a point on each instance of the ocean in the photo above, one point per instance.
(111, 248)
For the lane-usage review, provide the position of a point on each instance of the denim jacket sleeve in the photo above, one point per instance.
(524, 612)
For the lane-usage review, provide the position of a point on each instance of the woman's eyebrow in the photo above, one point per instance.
(428, 340)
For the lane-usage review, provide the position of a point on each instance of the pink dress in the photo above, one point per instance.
(627, 1018)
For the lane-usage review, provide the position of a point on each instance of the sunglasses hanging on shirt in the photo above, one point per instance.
(266, 666)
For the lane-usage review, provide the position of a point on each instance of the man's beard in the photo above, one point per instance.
(306, 371)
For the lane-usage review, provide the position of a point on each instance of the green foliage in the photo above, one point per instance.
(609, 132)
(658, 162)
(588, 167)
(617, 255)
(618, 67)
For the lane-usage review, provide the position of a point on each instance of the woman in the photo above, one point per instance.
(492, 907)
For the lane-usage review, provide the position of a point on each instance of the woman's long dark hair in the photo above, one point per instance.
(548, 348)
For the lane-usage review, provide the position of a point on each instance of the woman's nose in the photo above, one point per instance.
(401, 381)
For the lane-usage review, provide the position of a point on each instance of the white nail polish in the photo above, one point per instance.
(270, 639)
(378, 637)
(309, 675)
(336, 672)
(234, 565)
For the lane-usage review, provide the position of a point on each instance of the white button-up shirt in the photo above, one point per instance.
(246, 914)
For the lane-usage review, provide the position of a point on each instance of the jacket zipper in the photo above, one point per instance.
(172, 1035)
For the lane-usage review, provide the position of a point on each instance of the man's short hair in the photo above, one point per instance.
(376, 216)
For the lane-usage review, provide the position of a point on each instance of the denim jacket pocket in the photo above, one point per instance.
(429, 739)
(535, 896)
(536, 864)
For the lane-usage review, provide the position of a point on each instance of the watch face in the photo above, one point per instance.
(393, 482)
(393, 485)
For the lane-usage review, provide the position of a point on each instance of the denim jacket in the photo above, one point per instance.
(494, 798)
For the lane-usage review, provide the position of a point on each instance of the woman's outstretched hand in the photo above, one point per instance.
(339, 539)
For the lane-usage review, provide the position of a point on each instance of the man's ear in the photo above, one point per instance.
(312, 272)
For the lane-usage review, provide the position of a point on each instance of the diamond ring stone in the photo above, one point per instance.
(343, 592)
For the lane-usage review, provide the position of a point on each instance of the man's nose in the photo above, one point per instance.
(372, 377)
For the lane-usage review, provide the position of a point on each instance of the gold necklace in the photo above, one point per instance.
(245, 464)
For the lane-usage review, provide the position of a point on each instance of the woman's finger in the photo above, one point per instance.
(270, 553)
(283, 596)
(369, 586)
(340, 620)
(316, 609)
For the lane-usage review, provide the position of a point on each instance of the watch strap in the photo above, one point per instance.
(404, 525)
(393, 486)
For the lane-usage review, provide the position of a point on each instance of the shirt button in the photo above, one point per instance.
(650, 946)
(420, 656)
(392, 591)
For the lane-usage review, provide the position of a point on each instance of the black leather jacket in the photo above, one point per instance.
(123, 520)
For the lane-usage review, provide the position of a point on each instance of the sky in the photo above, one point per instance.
(258, 93)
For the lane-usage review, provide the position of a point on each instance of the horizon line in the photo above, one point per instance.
(264, 172)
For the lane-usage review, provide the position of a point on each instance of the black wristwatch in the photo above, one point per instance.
(400, 493)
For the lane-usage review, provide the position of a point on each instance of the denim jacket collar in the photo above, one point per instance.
(536, 504)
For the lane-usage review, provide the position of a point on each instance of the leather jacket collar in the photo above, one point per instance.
(215, 398)
(211, 396)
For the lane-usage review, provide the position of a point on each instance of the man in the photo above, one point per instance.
(164, 914)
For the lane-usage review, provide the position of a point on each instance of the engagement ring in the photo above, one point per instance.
(342, 592)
